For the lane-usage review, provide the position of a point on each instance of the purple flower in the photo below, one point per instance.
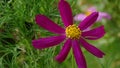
(80, 17)
(72, 35)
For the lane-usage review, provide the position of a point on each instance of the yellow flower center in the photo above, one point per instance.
(73, 32)
(88, 13)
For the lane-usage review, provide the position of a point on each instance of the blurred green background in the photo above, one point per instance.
(18, 29)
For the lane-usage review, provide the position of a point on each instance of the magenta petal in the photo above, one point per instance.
(64, 52)
(80, 60)
(88, 29)
(66, 13)
(103, 15)
(88, 21)
(80, 17)
(92, 49)
(92, 9)
(46, 23)
(47, 42)
(94, 34)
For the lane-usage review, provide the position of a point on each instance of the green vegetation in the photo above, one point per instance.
(18, 29)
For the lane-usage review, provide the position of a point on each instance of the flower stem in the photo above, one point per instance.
(73, 63)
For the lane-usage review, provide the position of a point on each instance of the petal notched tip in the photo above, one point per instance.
(94, 15)
(88, 21)
(92, 49)
(94, 34)
(102, 55)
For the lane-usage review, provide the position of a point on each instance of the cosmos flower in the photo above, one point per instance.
(82, 16)
(72, 35)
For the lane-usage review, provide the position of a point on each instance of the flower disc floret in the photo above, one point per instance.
(73, 32)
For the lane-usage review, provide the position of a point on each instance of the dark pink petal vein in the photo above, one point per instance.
(66, 13)
(80, 60)
(47, 42)
(64, 52)
(88, 21)
(92, 49)
(47, 24)
(94, 34)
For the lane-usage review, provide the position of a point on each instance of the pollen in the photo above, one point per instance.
(73, 32)
(88, 13)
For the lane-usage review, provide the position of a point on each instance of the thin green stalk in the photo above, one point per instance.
(73, 62)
